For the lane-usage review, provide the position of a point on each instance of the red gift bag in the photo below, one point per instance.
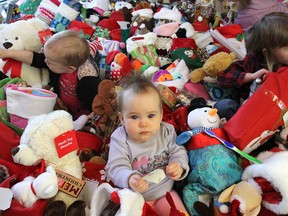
(261, 115)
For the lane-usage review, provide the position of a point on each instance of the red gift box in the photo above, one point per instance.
(261, 115)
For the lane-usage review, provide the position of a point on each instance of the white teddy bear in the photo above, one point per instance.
(37, 143)
(23, 35)
(28, 191)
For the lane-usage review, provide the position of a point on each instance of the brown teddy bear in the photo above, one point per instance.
(104, 107)
(212, 66)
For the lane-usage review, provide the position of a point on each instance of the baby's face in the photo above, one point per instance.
(53, 62)
(141, 115)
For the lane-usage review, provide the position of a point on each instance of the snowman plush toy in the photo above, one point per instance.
(213, 166)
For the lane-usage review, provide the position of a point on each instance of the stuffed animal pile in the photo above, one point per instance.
(181, 47)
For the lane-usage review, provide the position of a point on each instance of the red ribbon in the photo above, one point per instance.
(14, 66)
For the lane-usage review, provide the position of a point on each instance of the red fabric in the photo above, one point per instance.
(110, 24)
(180, 116)
(18, 173)
(168, 118)
(235, 208)
(115, 34)
(9, 139)
(269, 195)
(230, 31)
(173, 211)
(178, 43)
(81, 26)
(261, 112)
(202, 140)
(202, 26)
(89, 140)
(14, 66)
(94, 172)
(117, 15)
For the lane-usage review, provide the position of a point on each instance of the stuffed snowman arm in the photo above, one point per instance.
(184, 137)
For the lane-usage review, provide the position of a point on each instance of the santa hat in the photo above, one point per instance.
(169, 14)
(108, 23)
(232, 38)
(200, 24)
(231, 31)
(270, 179)
(131, 203)
(178, 43)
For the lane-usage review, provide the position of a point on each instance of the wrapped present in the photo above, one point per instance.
(261, 115)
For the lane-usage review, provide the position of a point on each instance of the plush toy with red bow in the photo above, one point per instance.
(23, 35)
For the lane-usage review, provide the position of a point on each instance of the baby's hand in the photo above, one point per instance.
(174, 170)
(137, 183)
(249, 77)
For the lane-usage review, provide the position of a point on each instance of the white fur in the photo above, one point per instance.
(23, 35)
(45, 186)
(274, 169)
(100, 198)
(131, 203)
(37, 143)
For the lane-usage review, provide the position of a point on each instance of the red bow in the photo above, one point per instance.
(14, 65)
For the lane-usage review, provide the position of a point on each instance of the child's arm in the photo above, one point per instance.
(24, 56)
(250, 77)
(119, 167)
(178, 167)
(234, 76)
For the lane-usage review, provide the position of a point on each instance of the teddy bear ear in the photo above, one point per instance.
(2, 26)
(38, 24)
(51, 170)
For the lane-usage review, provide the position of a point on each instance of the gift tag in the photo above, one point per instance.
(155, 176)
(6, 196)
(66, 143)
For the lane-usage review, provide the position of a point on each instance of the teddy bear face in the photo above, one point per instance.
(37, 140)
(22, 35)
